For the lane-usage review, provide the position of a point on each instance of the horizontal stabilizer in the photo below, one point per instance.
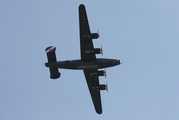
(51, 56)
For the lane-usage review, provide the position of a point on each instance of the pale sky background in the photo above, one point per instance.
(142, 33)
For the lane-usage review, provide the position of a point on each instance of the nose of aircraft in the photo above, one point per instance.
(119, 62)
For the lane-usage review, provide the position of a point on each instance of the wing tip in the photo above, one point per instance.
(81, 6)
(99, 112)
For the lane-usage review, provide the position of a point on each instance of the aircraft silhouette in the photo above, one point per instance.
(88, 62)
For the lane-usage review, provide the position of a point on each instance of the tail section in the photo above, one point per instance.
(51, 56)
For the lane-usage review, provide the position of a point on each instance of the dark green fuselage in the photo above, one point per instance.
(84, 65)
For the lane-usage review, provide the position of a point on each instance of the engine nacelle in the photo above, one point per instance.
(98, 73)
(95, 51)
(100, 87)
(91, 36)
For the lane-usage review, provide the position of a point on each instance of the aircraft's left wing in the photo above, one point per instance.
(95, 94)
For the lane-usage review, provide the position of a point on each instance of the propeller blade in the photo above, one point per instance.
(105, 72)
(101, 50)
(98, 34)
(107, 86)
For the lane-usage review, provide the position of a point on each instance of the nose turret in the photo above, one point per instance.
(119, 62)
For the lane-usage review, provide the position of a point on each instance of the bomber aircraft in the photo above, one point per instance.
(88, 62)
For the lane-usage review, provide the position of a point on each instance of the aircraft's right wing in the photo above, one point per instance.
(85, 44)
(95, 94)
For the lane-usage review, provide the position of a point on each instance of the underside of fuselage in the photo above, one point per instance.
(84, 65)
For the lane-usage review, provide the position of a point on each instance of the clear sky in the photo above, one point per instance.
(143, 33)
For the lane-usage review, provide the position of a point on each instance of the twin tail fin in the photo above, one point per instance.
(51, 56)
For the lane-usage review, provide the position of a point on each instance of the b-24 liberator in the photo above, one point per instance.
(88, 62)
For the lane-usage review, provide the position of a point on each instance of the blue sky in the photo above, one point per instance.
(144, 34)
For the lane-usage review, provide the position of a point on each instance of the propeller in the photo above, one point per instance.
(101, 50)
(44, 65)
(98, 34)
(105, 73)
(107, 86)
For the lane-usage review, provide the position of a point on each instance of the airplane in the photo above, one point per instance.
(88, 62)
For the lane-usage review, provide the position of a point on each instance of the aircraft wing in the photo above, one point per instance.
(95, 94)
(85, 44)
